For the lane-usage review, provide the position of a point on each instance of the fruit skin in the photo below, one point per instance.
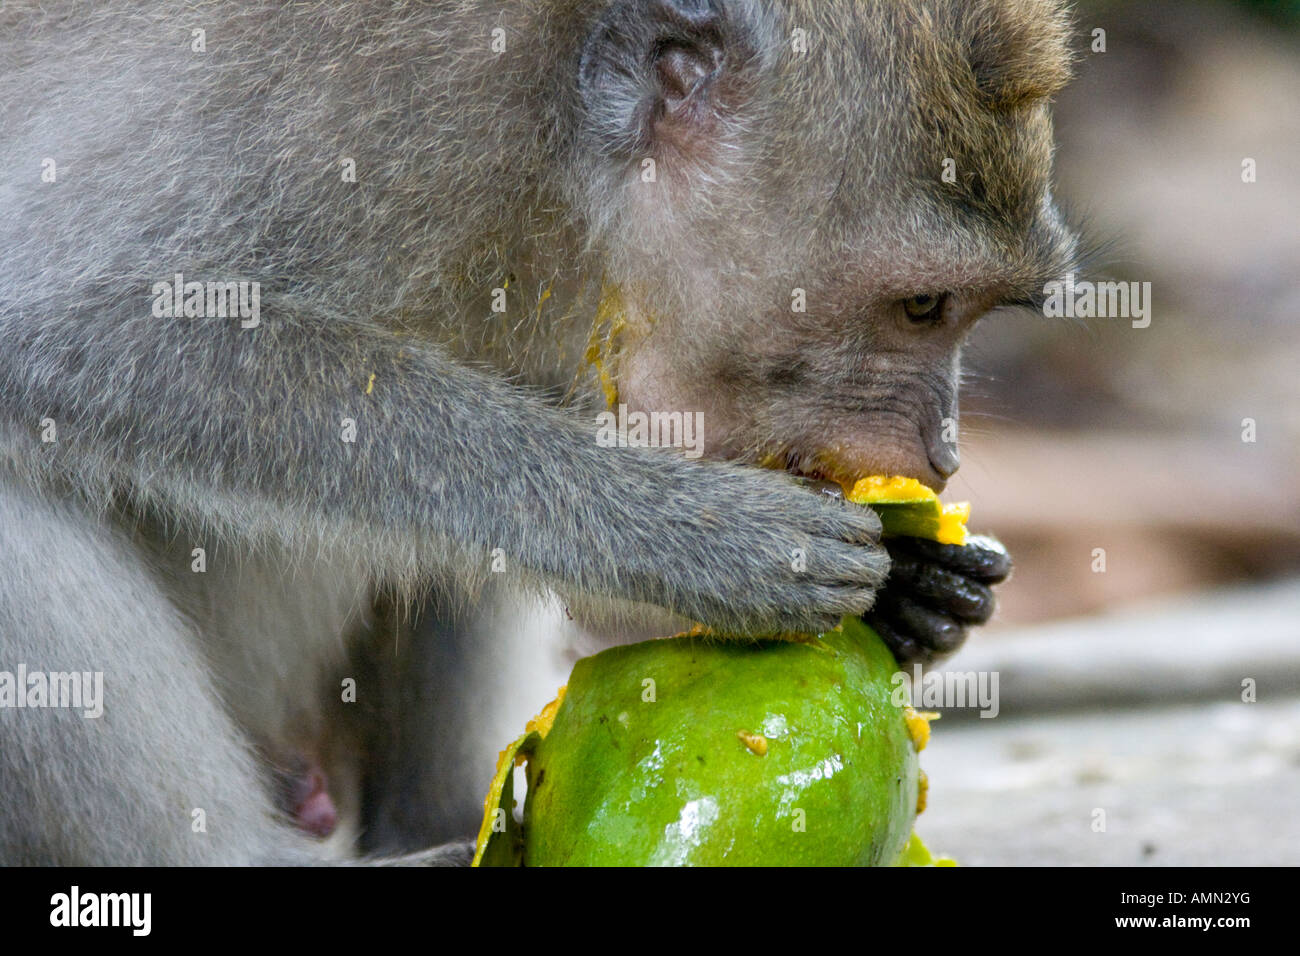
(624, 781)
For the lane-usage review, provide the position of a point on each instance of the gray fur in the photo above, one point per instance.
(816, 171)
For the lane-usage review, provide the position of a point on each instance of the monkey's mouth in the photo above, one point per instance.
(811, 471)
(827, 471)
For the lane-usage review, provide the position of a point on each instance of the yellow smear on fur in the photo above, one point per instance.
(611, 321)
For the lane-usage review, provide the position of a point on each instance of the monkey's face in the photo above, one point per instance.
(808, 205)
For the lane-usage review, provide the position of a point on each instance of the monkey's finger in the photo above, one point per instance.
(855, 525)
(982, 557)
(827, 607)
(964, 598)
(906, 648)
(818, 486)
(931, 629)
(839, 564)
(843, 520)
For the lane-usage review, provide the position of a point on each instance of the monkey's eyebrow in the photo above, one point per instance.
(1021, 285)
(1026, 291)
(1032, 301)
(1049, 257)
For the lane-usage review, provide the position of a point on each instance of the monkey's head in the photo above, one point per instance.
(807, 205)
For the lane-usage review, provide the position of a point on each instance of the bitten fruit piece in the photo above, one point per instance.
(908, 508)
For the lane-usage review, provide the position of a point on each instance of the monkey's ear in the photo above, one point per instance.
(658, 73)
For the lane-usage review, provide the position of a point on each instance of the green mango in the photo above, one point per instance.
(694, 751)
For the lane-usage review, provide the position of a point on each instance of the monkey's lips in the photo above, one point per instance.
(847, 463)
(811, 469)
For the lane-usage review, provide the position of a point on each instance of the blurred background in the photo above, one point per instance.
(1122, 684)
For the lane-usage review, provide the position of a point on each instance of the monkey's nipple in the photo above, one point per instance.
(314, 810)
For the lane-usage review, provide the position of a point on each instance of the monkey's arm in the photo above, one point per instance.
(934, 592)
(244, 431)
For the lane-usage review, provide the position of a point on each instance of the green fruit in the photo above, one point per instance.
(691, 751)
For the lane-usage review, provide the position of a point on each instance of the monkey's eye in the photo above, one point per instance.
(924, 309)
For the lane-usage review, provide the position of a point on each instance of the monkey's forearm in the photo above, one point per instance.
(303, 427)
(323, 422)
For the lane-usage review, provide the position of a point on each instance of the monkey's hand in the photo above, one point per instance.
(934, 592)
(749, 551)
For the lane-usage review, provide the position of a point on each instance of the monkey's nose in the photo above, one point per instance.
(944, 458)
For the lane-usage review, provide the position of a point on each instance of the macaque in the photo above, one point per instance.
(308, 310)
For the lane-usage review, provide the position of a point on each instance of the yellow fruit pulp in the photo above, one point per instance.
(885, 492)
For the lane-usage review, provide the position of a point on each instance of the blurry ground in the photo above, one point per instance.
(1124, 740)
